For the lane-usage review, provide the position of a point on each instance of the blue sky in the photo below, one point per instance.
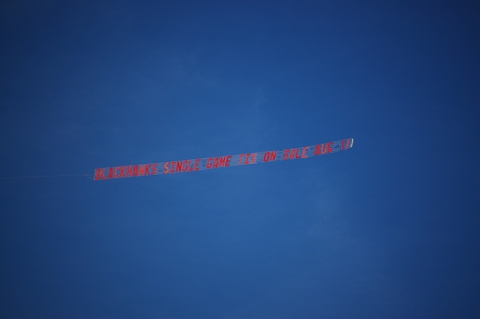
(388, 229)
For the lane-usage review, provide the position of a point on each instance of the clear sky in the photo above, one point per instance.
(388, 229)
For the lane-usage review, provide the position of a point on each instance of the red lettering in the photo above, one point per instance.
(185, 166)
(111, 173)
(209, 163)
(215, 164)
(240, 159)
(273, 156)
(293, 154)
(222, 161)
(122, 171)
(304, 152)
(285, 154)
(266, 156)
(270, 156)
(135, 170)
(99, 174)
(129, 171)
(254, 158)
(247, 157)
(330, 147)
(321, 149)
(147, 169)
(141, 170)
(154, 168)
(348, 143)
(227, 160)
(166, 167)
(178, 168)
(197, 162)
(297, 153)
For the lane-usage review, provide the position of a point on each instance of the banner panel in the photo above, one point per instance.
(206, 163)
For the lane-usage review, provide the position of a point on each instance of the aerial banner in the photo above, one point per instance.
(206, 163)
